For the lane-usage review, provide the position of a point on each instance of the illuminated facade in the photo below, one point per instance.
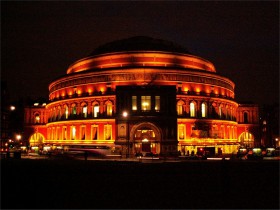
(146, 95)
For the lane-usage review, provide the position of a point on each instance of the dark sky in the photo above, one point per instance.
(39, 40)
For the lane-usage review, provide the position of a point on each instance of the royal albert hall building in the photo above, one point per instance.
(143, 95)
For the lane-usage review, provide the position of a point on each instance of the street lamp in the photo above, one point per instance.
(125, 115)
(12, 108)
(18, 137)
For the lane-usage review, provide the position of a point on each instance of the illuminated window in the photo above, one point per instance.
(220, 111)
(122, 131)
(94, 132)
(108, 132)
(203, 110)
(66, 112)
(64, 133)
(134, 102)
(74, 109)
(109, 109)
(85, 111)
(95, 111)
(180, 108)
(192, 109)
(181, 132)
(145, 103)
(37, 118)
(83, 132)
(73, 132)
(157, 103)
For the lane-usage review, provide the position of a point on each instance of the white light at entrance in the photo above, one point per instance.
(145, 140)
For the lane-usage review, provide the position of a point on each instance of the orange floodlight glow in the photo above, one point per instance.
(102, 89)
(89, 90)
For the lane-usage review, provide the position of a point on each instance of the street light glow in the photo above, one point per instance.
(18, 137)
(124, 114)
(12, 108)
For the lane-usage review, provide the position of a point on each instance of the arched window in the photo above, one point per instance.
(95, 110)
(245, 115)
(109, 108)
(220, 111)
(203, 110)
(180, 107)
(192, 109)
(84, 111)
(37, 118)
(74, 109)
(66, 113)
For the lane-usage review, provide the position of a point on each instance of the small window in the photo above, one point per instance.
(145, 103)
(134, 103)
(37, 118)
(181, 132)
(83, 132)
(108, 132)
(73, 132)
(157, 103)
(180, 108)
(95, 111)
(220, 111)
(109, 109)
(66, 112)
(74, 110)
(85, 111)
(192, 109)
(94, 132)
(203, 110)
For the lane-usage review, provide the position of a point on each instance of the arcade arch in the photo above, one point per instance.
(146, 137)
(246, 139)
(36, 139)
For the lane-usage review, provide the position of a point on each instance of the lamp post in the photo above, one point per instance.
(125, 115)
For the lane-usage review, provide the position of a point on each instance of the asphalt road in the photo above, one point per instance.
(80, 184)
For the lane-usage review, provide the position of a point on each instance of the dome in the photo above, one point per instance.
(139, 43)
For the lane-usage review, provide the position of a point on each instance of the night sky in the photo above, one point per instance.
(39, 40)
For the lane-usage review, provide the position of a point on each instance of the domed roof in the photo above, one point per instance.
(139, 43)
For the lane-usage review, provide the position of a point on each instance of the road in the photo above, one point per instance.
(77, 184)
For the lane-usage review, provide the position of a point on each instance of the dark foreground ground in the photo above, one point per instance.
(68, 184)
